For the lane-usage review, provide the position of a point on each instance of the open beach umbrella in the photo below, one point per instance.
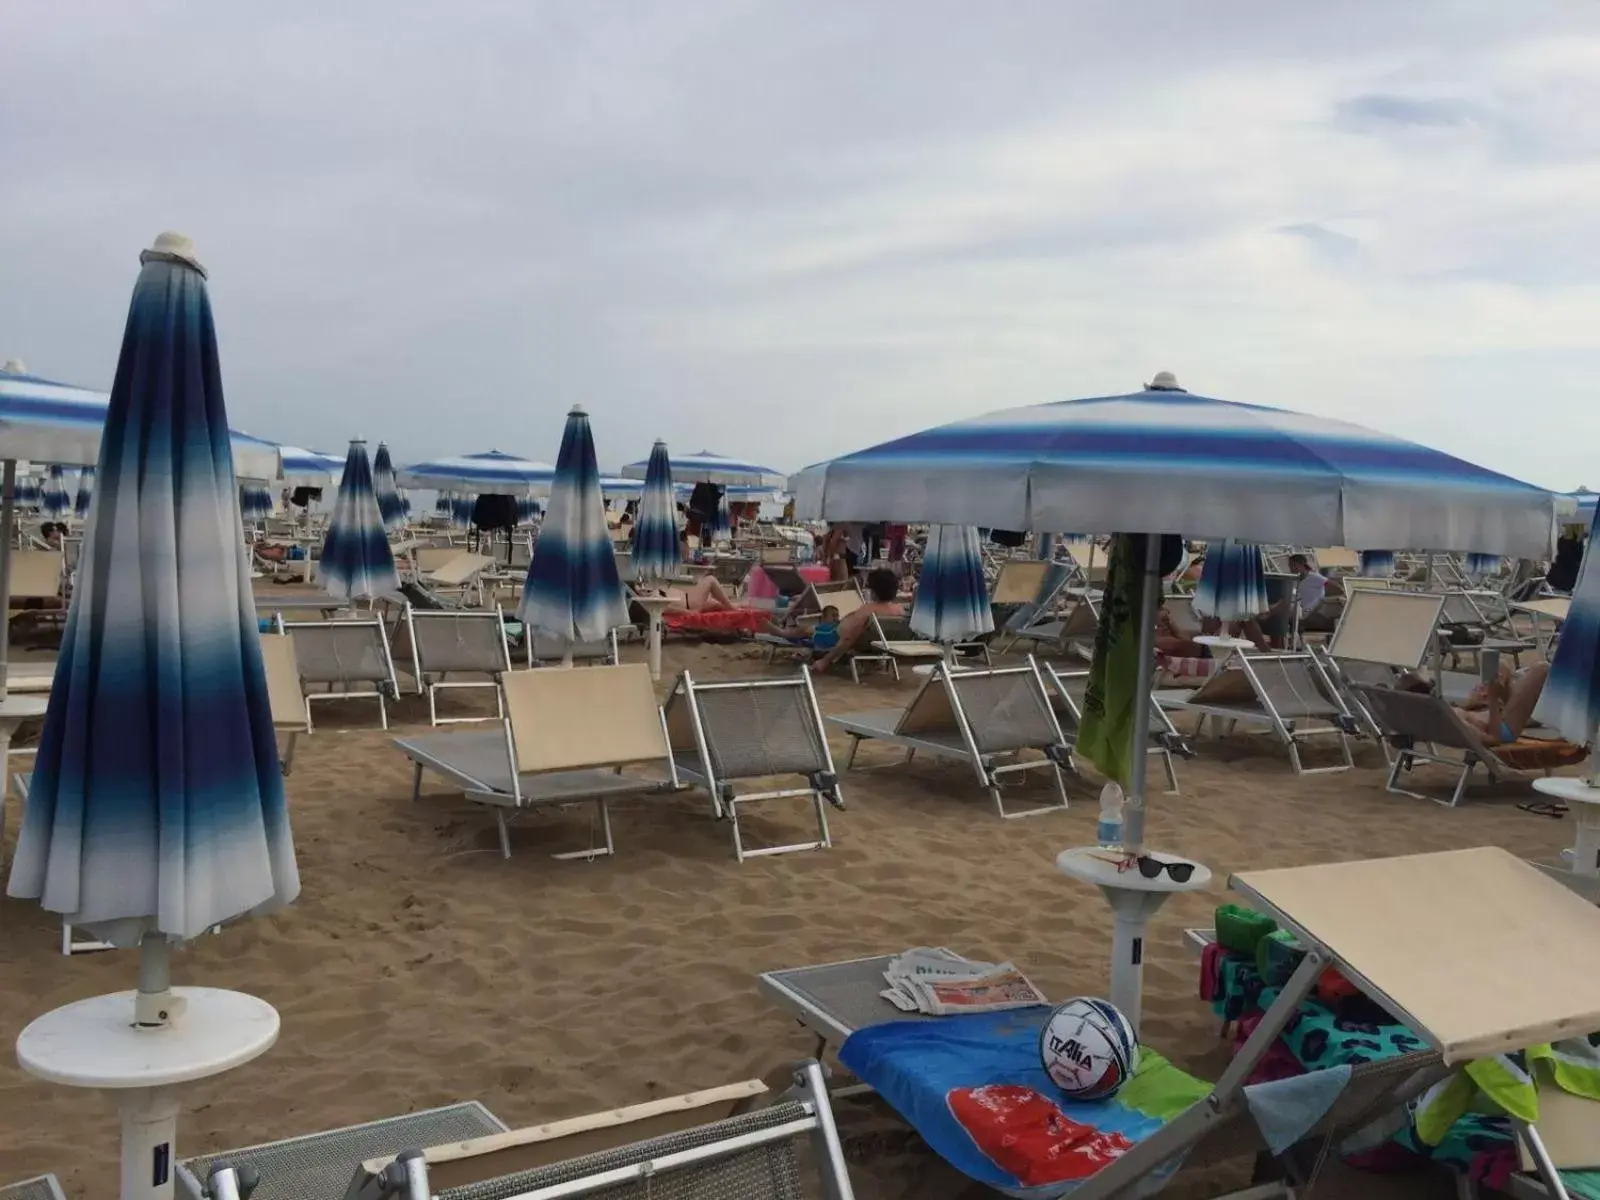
(952, 598)
(356, 560)
(309, 468)
(255, 501)
(383, 487)
(493, 471)
(706, 467)
(1570, 701)
(1377, 564)
(615, 488)
(656, 553)
(156, 809)
(572, 591)
(1233, 583)
(1166, 461)
(85, 496)
(54, 498)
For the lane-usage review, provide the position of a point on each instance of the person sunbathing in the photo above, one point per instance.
(1173, 643)
(704, 595)
(1500, 710)
(883, 590)
(823, 634)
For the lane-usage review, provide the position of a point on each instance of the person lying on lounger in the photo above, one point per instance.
(1499, 711)
(704, 595)
(823, 634)
(883, 588)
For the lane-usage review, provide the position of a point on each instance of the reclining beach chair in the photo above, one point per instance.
(1035, 588)
(680, 1148)
(284, 695)
(565, 739)
(984, 718)
(725, 733)
(40, 1187)
(1380, 635)
(1424, 728)
(1281, 692)
(892, 642)
(1466, 629)
(36, 575)
(1445, 980)
(843, 594)
(456, 643)
(1067, 692)
(348, 660)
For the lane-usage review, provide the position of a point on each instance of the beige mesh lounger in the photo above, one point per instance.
(566, 737)
(894, 643)
(543, 651)
(461, 573)
(348, 660)
(1380, 635)
(984, 718)
(35, 574)
(40, 1187)
(284, 696)
(1279, 691)
(709, 1145)
(443, 644)
(722, 734)
(842, 594)
(1067, 692)
(1019, 581)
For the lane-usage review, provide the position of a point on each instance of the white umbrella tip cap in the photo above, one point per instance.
(15, 366)
(175, 247)
(1163, 381)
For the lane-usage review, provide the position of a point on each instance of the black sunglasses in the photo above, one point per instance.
(1150, 868)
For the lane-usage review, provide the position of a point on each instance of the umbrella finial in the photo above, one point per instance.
(1163, 381)
(15, 366)
(577, 411)
(173, 247)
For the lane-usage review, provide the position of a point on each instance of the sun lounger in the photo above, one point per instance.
(678, 1148)
(894, 643)
(1020, 580)
(349, 660)
(319, 1166)
(284, 695)
(1424, 728)
(722, 734)
(35, 574)
(1067, 693)
(442, 644)
(545, 651)
(565, 739)
(40, 1187)
(1380, 635)
(843, 595)
(984, 718)
(1446, 980)
(1279, 691)
(450, 569)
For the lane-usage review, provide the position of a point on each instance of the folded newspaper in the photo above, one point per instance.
(938, 983)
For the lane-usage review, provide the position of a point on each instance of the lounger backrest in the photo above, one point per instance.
(459, 641)
(930, 710)
(284, 696)
(431, 558)
(1081, 622)
(1425, 718)
(340, 651)
(1019, 581)
(1294, 685)
(845, 597)
(1336, 558)
(463, 568)
(35, 574)
(549, 649)
(1006, 708)
(1180, 609)
(40, 1187)
(1068, 690)
(1460, 610)
(1229, 686)
(760, 727)
(569, 720)
(776, 555)
(1395, 629)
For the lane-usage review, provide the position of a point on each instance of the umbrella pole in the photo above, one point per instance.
(155, 1005)
(1133, 826)
(7, 515)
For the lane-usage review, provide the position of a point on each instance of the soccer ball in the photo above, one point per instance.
(1088, 1049)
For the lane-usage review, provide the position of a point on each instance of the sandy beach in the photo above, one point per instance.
(418, 968)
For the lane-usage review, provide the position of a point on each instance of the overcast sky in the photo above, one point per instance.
(785, 231)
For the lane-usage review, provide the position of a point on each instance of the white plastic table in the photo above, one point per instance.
(93, 1043)
(1227, 645)
(1133, 900)
(654, 605)
(1583, 801)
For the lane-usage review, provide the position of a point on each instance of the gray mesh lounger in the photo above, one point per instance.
(983, 718)
(318, 1166)
(724, 733)
(566, 737)
(544, 650)
(40, 1187)
(1068, 689)
(456, 643)
(348, 659)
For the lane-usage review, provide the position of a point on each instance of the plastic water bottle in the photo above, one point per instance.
(1109, 831)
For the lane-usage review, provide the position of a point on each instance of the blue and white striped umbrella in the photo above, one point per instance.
(255, 501)
(85, 496)
(493, 471)
(441, 504)
(309, 468)
(1233, 582)
(405, 505)
(356, 560)
(706, 467)
(1166, 461)
(28, 491)
(528, 510)
(54, 498)
(1377, 564)
(383, 486)
(157, 803)
(656, 553)
(1481, 566)
(614, 488)
(572, 592)
(461, 507)
(952, 599)
(1570, 701)
(721, 521)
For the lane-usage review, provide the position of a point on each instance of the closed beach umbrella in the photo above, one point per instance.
(156, 809)
(383, 487)
(1377, 564)
(706, 467)
(461, 507)
(952, 600)
(54, 498)
(255, 500)
(721, 521)
(656, 554)
(1570, 701)
(356, 560)
(572, 591)
(85, 496)
(441, 504)
(527, 510)
(1481, 566)
(27, 491)
(1233, 584)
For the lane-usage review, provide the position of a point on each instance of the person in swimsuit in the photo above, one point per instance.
(1500, 710)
